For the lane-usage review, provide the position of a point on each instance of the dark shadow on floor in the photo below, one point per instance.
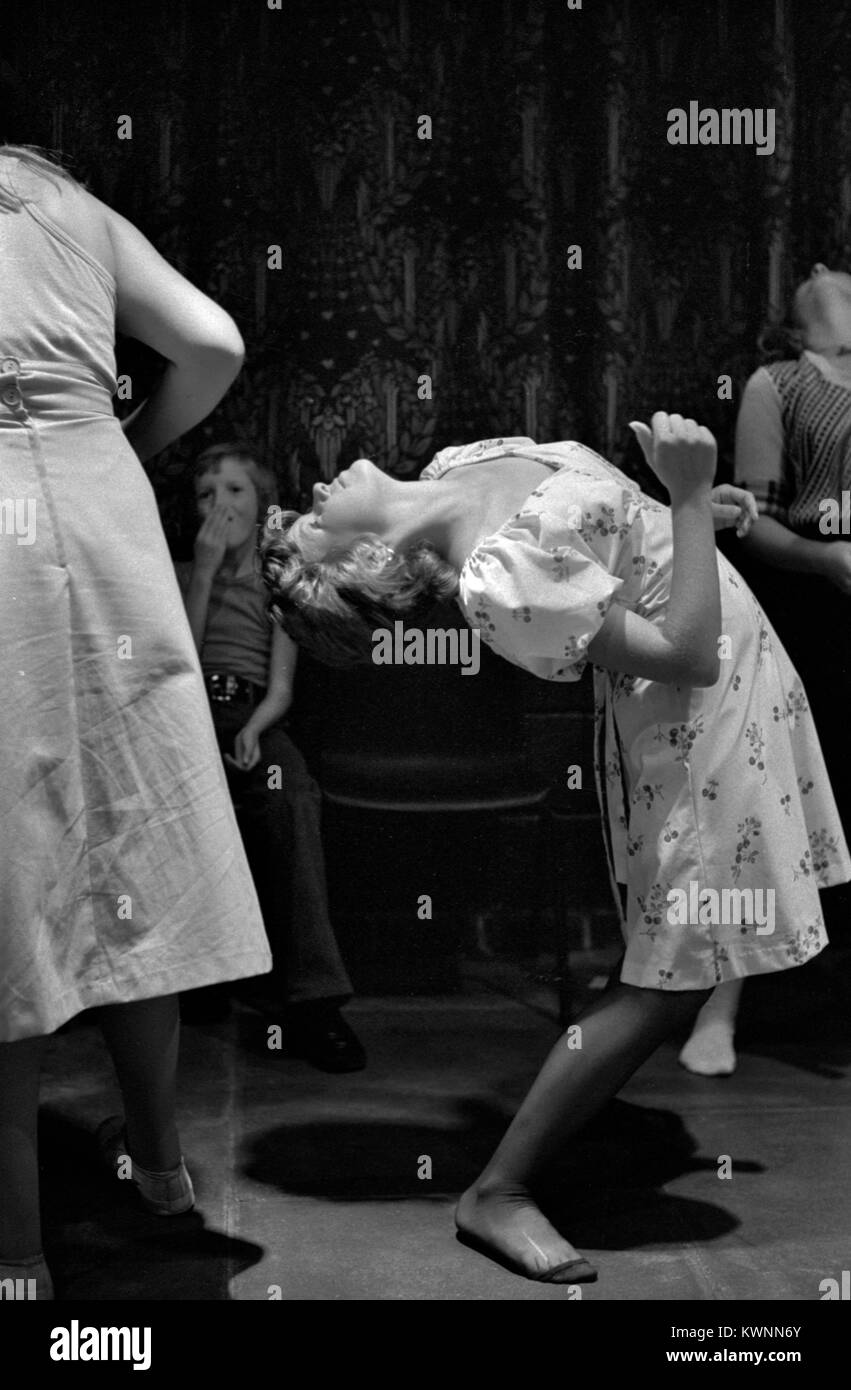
(612, 1177)
(95, 1228)
(800, 1017)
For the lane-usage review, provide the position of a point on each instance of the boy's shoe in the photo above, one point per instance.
(165, 1194)
(321, 1035)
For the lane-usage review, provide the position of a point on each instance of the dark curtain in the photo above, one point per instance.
(425, 294)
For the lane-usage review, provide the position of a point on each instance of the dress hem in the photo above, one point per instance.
(174, 981)
(647, 979)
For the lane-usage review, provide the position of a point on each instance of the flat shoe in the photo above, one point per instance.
(169, 1193)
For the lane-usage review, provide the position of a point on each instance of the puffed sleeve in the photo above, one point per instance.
(538, 592)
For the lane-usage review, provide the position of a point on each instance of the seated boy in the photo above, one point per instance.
(248, 668)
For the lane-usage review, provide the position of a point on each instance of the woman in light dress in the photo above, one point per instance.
(122, 875)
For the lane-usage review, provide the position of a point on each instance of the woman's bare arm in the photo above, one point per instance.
(200, 341)
(774, 544)
(156, 304)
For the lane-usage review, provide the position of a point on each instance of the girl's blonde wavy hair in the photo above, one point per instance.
(36, 159)
(332, 607)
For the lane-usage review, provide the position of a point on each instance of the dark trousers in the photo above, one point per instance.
(280, 828)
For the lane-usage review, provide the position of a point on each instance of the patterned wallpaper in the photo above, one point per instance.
(425, 291)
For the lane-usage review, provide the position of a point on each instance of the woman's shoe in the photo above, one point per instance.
(26, 1280)
(165, 1194)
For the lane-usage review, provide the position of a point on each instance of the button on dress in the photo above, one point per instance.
(702, 789)
(122, 873)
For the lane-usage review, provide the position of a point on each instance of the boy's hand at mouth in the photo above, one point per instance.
(211, 540)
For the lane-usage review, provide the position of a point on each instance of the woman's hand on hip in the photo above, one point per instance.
(681, 453)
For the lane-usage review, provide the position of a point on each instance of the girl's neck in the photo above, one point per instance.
(456, 511)
(828, 331)
(430, 511)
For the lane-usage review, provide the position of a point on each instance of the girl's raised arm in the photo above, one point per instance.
(684, 648)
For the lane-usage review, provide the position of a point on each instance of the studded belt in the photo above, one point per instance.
(224, 688)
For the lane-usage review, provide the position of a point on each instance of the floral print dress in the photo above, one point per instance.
(702, 789)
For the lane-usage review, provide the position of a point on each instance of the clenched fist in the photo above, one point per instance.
(681, 453)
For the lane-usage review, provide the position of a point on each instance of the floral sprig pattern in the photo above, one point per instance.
(484, 621)
(603, 523)
(755, 737)
(746, 851)
(720, 956)
(653, 908)
(802, 868)
(624, 686)
(647, 794)
(561, 562)
(575, 647)
(797, 707)
(804, 943)
(681, 737)
(825, 852)
(642, 568)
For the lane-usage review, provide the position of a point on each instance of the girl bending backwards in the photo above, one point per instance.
(717, 811)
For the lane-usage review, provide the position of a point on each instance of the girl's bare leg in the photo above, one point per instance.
(620, 1030)
(143, 1039)
(710, 1051)
(20, 1219)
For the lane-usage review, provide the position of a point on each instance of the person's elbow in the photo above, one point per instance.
(699, 667)
(215, 345)
(693, 666)
(231, 342)
(224, 345)
(705, 673)
(217, 366)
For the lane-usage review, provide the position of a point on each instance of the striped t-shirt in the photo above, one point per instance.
(793, 439)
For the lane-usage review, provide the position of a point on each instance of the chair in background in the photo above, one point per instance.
(584, 914)
(422, 769)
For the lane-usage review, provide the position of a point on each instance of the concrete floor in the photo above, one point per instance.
(308, 1184)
